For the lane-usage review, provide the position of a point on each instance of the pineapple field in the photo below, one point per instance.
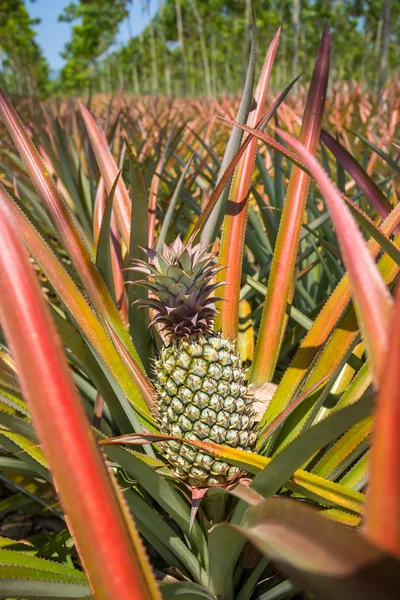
(200, 335)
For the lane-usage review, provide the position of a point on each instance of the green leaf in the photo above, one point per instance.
(253, 463)
(395, 166)
(29, 577)
(215, 219)
(121, 380)
(280, 282)
(222, 570)
(372, 299)
(185, 591)
(138, 317)
(31, 454)
(164, 536)
(235, 220)
(306, 445)
(163, 492)
(103, 255)
(169, 214)
(328, 559)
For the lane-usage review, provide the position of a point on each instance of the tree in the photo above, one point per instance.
(296, 26)
(200, 46)
(98, 22)
(24, 70)
(383, 67)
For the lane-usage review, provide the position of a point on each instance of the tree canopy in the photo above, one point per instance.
(199, 46)
(24, 70)
(95, 28)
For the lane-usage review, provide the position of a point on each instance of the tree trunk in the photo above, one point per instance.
(296, 23)
(167, 71)
(154, 72)
(247, 34)
(214, 77)
(192, 70)
(206, 65)
(181, 45)
(377, 50)
(384, 59)
(153, 50)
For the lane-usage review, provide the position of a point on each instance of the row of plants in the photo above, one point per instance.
(234, 433)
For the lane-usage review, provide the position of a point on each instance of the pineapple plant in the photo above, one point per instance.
(310, 451)
(199, 378)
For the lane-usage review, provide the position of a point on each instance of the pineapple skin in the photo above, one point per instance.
(202, 397)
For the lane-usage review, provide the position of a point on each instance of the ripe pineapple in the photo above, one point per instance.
(199, 377)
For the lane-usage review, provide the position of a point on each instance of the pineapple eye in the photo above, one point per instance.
(209, 353)
(234, 421)
(237, 374)
(219, 467)
(179, 376)
(201, 429)
(184, 360)
(245, 421)
(209, 386)
(208, 416)
(239, 402)
(234, 389)
(227, 374)
(244, 438)
(193, 412)
(216, 402)
(201, 399)
(224, 358)
(217, 434)
(199, 367)
(204, 460)
(199, 473)
(171, 387)
(233, 473)
(185, 423)
(183, 462)
(189, 452)
(223, 419)
(195, 350)
(177, 406)
(232, 437)
(216, 343)
(193, 382)
(185, 394)
(169, 364)
(215, 371)
(223, 388)
(230, 405)
(172, 416)
(177, 431)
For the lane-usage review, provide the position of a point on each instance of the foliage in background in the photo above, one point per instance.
(197, 47)
(95, 29)
(24, 70)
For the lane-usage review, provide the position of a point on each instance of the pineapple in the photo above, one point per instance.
(199, 377)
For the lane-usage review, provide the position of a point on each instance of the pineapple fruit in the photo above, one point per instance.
(199, 378)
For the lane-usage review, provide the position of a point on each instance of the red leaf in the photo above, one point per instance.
(372, 299)
(86, 491)
(382, 519)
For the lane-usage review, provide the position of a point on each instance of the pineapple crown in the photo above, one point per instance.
(179, 278)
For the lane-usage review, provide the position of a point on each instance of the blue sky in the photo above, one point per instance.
(52, 35)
